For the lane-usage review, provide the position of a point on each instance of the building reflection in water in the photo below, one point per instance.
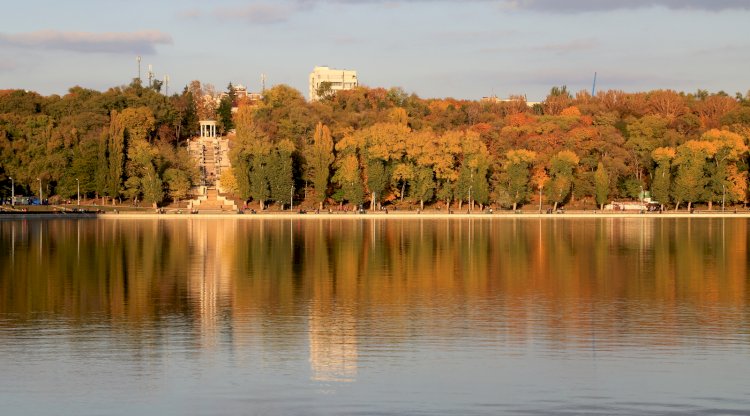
(209, 275)
(333, 343)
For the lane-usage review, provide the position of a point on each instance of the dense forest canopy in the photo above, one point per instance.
(375, 146)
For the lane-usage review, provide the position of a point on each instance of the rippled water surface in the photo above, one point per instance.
(319, 316)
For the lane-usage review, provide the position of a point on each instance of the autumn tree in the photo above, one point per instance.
(319, 157)
(725, 180)
(516, 175)
(661, 184)
(348, 178)
(561, 169)
(690, 181)
(250, 155)
(601, 185)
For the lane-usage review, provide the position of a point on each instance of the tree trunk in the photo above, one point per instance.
(260, 205)
(677, 206)
(601, 207)
(554, 207)
(690, 205)
(321, 206)
(403, 189)
(710, 205)
(514, 206)
(372, 204)
(460, 202)
(421, 204)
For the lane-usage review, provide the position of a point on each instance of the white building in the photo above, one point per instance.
(339, 79)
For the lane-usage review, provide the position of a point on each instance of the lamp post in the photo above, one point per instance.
(78, 191)
(12, 192)
(40, 191)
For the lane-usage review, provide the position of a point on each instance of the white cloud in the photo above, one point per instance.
(575, 6)
(7, 65)
(566, 47)
(140, 42)
(262, 13)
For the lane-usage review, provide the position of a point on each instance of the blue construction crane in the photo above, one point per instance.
(593, 88)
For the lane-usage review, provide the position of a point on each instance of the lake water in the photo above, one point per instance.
(318, 316)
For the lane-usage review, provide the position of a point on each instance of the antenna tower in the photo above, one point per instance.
(150, 75)
(166, 85)
(262, 83)
(138, 58)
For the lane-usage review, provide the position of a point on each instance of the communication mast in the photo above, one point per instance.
(138, 58)
(150, 75)
(262, 83)
(166, 85)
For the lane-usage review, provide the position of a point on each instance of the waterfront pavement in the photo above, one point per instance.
(381, 215)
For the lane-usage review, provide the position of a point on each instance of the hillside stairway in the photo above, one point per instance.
(212, 202)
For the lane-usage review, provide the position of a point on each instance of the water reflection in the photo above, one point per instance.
(341, 300)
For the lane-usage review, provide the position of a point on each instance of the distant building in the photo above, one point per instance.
(338, 79)
(496, 99)
(241, 94)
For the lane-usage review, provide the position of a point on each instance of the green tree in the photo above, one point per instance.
(224, 111)
(690, 181)
(422, 185)
(259, 183)
(377, 180)
(601, 185)
(662, 182)
(178, 184)
(250, 158)
(517, 174)
(116, 155)
(280, 178)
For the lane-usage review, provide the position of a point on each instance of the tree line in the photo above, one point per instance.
(378, 147)
(370, 147)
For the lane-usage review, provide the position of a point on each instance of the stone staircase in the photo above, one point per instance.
(213, 202)
(211, 153)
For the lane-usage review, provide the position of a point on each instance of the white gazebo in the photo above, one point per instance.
(208, 129)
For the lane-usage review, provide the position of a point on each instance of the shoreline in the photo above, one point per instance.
(411, 215)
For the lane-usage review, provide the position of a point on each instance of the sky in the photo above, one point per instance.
(434, 48)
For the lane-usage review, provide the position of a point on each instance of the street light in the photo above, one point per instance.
(78, 190)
